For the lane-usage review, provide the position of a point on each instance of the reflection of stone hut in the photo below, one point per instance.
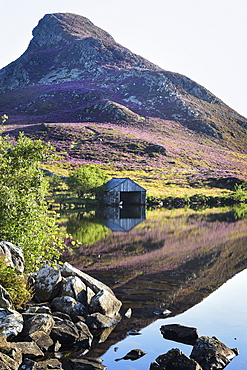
(124, 191)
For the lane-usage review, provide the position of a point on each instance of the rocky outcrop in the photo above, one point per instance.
(69, 308)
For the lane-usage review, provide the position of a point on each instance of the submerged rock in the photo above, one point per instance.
(133, 355)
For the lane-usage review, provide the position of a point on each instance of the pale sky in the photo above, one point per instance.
(205, 40)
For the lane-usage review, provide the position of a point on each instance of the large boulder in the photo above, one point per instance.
(65, 332)
(11, 322)
(40, 322)
(179, 333)
(211, 353)
(174, 359)
(69, 306)
(85, 336)
(72, 286)
(97, 321)
(13, 255)
(105, 303)
(42, 339)
(94, 284)
(47, 283)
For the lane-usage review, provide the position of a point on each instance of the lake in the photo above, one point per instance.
(192, 263)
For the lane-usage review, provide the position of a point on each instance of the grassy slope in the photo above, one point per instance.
(133, 150)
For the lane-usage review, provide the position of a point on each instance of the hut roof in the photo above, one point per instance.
(116, 183)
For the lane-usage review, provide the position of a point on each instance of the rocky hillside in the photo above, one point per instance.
(73, 71)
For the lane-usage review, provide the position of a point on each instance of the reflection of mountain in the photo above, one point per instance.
(172, 260)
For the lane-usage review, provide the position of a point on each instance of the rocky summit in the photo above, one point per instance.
(73, 71)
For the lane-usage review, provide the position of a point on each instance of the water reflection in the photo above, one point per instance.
(171, 260)
(123, 218)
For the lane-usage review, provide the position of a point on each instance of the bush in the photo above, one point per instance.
(87, 179)
(15, 284)
(24, 217)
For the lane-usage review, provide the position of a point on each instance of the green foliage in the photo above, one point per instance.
(4, 118)
(24, 218)
(88, 179)
(55, 183)
(240, 192)
(15, 284)
(240, 211)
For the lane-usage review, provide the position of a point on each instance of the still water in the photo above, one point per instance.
(192, 263)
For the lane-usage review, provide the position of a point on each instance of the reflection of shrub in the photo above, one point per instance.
(240, 192)
(240, 211)
(15, 284)
(85, 231)
(199, 199)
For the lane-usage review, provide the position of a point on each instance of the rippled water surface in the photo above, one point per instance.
(191, 263)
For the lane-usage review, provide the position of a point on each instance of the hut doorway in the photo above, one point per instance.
(130, 197)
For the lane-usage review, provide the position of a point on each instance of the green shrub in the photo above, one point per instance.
(15, 284)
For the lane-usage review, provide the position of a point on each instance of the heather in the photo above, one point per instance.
(164, 241)
(165, 161)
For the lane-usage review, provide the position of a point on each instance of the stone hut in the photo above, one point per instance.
(124, 191)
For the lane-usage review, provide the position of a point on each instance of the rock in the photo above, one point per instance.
(28, 349)
(7, 349)
(40, 322)
(133, 355)
(69, 306)
(97, 321)
(211, 354)
(65, 332)
(7, 363)
(13, 255)
(94, 284)
(179, 333)
(134, 332)
(85, 337)
(90, 295)
(105, 303)
(75, 288)
(11, 322)
(163, 313)
(51, 363)
(47, 283)
(128, 313)
(58, 316)
(42, 339)
(63, 304)
(86, 364)
(103, 334)
(39, 309)
(174, 359)
(5, 299)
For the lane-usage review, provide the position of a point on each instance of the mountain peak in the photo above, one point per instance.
(74, 71)
(59, 28)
